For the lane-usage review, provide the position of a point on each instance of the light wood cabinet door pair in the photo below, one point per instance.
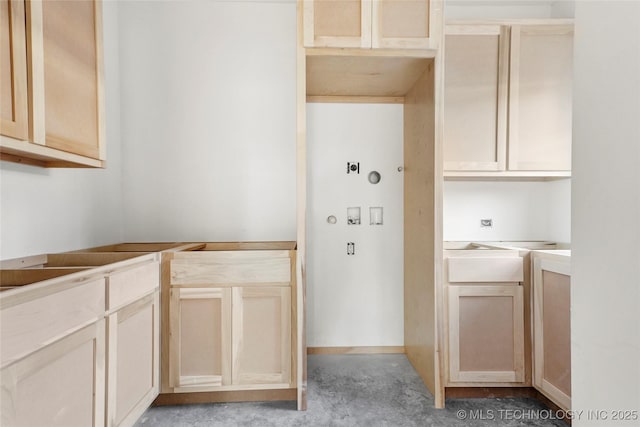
(52, 100)
(372, 23)
(231, 338)
(507, 98)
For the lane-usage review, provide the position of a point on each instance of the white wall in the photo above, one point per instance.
(208, 120)
(497, 9)
(354, 300)
(605, 283)
(520, 210)
(53, 210)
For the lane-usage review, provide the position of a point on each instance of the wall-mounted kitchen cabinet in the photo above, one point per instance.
(372, 24)
(507, 99)
(52, 83)
(552, 325)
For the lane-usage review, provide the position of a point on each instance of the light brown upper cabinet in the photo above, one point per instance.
(52, 83)
(507, 99)
(14, 114)
(372, 24)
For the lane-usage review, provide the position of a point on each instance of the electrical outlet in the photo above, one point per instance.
(486, 223)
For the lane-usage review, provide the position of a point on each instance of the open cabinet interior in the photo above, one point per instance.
(402, 77)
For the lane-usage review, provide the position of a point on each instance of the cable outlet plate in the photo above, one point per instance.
(486, 222)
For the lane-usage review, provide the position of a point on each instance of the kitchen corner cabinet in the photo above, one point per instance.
(372, 24)
(80, 338)
(507, 99)
(53, 354)
(52, 83)
(230, 320)
(552, 326)
(485, 318)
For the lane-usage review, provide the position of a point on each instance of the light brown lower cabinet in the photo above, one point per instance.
(233, 338)
(80, 339)
(552, 326)
(61, 384)
(486, 334)
(133, 360)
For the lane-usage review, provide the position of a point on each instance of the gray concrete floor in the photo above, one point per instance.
(359, 390)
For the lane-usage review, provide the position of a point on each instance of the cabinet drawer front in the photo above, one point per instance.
(484, 269)
(128, 285)
(26, 327)
(228, 268)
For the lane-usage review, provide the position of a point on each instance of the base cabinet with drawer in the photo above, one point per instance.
(485, 337)
(230, 320)
(552, 326)
(80, 339)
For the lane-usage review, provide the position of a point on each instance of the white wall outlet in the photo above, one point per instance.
(484, 223)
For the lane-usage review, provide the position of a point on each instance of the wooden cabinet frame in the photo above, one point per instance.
(456, 375)
(116, 355)
(17, 125)
(181, 382)
(371, 29)
(546, 152)
(39, 147)
(499, 143)
(559, 265)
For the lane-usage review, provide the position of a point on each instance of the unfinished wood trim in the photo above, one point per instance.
(357, 350)
(24, 262)
(422, 229)
(225, 396)
(249, 246)
(301, 212)
(16, 125)
(101, 104)
(356, 99)
(39, 155)
(382, 53)
(35, 52)
(293, 320)
(510, 21)
(505, 175)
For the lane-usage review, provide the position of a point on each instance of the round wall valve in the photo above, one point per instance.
(331, 219)
(374, 177)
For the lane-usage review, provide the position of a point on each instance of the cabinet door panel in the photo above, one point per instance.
(13, 70)
(540, 97)
(552, 330)
(475, 97)
(337, 23)
(59, 385)
(486, 334)
(133, 360)
(72, 75)
(262, 335)
(403, 24)
(200, 337)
